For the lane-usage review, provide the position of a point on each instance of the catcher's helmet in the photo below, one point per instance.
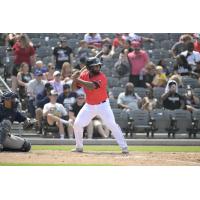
(9, 95)
(92, 61)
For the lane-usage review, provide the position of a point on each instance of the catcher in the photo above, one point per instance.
(8, 114)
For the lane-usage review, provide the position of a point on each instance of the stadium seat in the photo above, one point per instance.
(141, 91)
(113, 82)
(158, 91)
(139, 121)
(161, 121)
(116, 91)
(182, 122)
(113, 103)
(197, 91)
(196, 122)
(190, 81)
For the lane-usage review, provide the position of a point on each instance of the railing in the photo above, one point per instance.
(5, 84)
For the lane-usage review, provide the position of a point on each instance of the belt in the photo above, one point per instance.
(98, 103)
(101, 102)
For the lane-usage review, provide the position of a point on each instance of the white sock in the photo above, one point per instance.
(62, 135)
(64, 121)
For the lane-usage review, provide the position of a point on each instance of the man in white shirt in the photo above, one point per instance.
(129, 99)
(34, 87)
(55, 113)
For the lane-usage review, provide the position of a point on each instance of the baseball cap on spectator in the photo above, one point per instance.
(38, 73)
(66, 86)
(54, 93)
(56, 73)
(48, 86)
(136, 44)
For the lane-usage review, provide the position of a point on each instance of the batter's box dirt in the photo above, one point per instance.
(56, 157)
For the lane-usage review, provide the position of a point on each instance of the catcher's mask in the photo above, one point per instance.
(93, 64)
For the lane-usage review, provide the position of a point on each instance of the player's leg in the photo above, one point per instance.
(107, 116)
(82, 120)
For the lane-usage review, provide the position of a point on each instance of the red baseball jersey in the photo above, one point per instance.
(99, 94)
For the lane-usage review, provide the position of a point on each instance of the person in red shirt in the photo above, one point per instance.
(94, 83)
(138, 60)
(24, 52)
(197, 42)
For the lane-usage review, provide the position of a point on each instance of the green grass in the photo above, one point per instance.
(116, 148)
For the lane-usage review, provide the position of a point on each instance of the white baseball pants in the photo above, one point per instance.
(88, 112)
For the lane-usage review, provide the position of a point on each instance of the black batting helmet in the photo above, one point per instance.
(92, 61)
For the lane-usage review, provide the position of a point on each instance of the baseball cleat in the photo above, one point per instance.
(125, 150)
(78, 150)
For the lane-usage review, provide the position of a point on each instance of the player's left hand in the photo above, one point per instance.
(75, 75)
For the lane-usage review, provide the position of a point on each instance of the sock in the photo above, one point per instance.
(62, 135)
(64, 121)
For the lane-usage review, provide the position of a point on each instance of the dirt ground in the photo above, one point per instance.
(102, 158)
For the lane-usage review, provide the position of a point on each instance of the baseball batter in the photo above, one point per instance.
(94, 84)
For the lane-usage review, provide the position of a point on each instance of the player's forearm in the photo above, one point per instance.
(87, 84)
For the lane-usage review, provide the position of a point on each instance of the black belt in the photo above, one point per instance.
(101, 102)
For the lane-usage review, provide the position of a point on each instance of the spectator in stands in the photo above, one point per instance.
(118, 41)
(35, 87)
(122, 66)
(49, 74)
(42, 99)
(180, 46)
(39, 65)
(177, 78)
(166, 69)
(191, 100)
(138, 60)
(129, 99)
(160, 79)
(197, 42)
(83, 50)
(23, 78)
(67, 98)
(106, 49)
(55, 113)
(171, 100)
(62, 53)
(93, 40)
(57, 83)
(100, 128)
(181, 66)
(24, 52)
(135, 37)
(149, 73)
(192, 57)
(81, 64)
(66, 72)
(11, 39)
(73, 112)
(149, 102)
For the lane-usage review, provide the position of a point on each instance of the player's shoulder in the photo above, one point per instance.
(102, 75)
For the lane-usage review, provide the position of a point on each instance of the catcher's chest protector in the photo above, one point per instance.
(13, 142)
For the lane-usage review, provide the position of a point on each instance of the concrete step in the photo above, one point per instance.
(137, 142)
